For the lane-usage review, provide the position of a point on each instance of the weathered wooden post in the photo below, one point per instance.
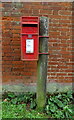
(42, 63)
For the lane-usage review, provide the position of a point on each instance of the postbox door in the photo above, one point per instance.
(29, 47)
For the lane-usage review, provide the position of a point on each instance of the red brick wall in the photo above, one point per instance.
(14, 70)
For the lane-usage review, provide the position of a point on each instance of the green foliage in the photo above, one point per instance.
(58, 105)
(8, 95)
(13, 111)
(24, 106)
(20, 98)
(19, 111)
(33, 104)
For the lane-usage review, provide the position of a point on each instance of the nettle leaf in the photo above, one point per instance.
(47, 108)
(70, 110)
(14, 101)
(53, 107)
(59, 114)
(67, 114)
(49, 102)
(33, 104)
(59, 96)
(64, 95)
(69, 94)
(52, 98)
(11, 95)
(68, 99)
(66, 108)
(59, 103)
(65, 102)
(8, 99)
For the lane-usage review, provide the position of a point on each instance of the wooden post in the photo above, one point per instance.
(42, 64)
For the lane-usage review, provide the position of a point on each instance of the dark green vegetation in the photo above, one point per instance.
(24, 105)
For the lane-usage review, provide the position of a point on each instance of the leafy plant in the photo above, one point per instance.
(22, 105)
(33, 104)
(58, 105)
(11, 95)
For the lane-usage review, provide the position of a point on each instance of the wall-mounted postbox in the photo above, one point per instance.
(29, 38)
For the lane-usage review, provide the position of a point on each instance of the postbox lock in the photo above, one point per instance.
(29, 35)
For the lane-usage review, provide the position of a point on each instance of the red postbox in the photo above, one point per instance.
(29, 38)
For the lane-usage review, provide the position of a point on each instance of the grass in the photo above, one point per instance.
(19, 111)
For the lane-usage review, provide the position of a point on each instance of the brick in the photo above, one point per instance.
(1, 5)
(16, 31)
(66, 52)
(65, 4)
(7, 18)
(43, 11)
(65, 21)
(7, 58)
(54, 33)
(64, 12)
(66, 25)
(55, 12)
(53, 20)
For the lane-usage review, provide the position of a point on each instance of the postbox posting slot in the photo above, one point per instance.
(29, 28)
(29, 25)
